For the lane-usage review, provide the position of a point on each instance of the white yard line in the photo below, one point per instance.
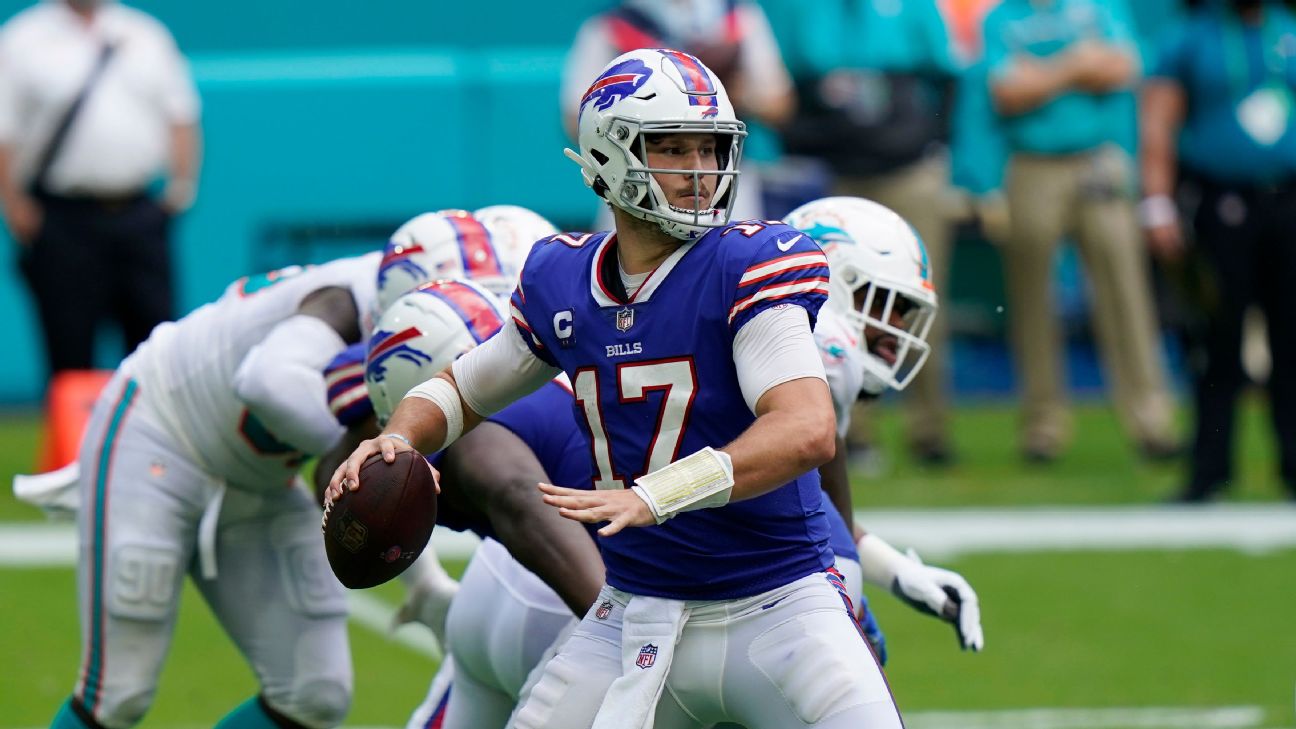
(934, 532)
(949, 532)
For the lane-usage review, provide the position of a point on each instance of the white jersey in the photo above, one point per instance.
(843, 363)
(186, 369)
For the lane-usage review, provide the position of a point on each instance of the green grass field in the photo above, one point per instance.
(1064, 630)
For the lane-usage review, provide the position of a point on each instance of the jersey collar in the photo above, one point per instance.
(605, 279)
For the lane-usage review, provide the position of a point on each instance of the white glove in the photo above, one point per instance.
(930, 590)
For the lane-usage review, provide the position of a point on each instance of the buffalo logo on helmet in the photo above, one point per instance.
(615, 84)
(398, 256)
(386, 345)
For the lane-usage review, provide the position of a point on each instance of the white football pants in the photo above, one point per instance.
(500, 624)
(789, 658)
(141, 524)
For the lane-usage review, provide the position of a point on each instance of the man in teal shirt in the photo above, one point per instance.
(1057, 71)
(873, 80)
(1218, 133)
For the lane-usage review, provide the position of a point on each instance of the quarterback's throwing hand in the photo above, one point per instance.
(347, 475)
(620, 507)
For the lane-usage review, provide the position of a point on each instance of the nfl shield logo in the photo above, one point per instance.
(647, 656)
(604, 610)
(624, 319)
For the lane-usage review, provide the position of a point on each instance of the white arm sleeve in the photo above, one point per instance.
(774, 347)
(281, 380)
(500, 371)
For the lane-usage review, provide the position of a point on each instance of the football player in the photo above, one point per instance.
(689, 345)
(188, 466)
(487, 246)
(507, 610)
(872, 336)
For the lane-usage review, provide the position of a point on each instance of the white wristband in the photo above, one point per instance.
(879, 561)
(698, 481)
(400, 438)
(1157, 210)
(444, 396)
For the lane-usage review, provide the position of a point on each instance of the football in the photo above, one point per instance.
(374, 533)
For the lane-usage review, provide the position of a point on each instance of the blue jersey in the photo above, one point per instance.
(654, 380)
(840, 539)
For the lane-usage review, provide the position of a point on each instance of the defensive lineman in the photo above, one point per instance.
(872, 336)
(188, 466)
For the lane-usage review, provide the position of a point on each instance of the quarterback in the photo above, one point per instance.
(688, 341)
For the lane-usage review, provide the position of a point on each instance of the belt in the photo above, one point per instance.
(106, 201)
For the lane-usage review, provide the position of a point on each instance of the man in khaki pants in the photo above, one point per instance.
(1054, 68)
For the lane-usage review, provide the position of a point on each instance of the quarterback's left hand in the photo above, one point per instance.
(620, 507)
(942, 593)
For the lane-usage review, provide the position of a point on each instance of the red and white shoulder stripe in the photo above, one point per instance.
(797, 273)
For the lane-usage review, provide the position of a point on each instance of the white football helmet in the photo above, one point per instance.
(648, 92)
(421, 333)
(873, 250)
(444, 244)
(514, 229)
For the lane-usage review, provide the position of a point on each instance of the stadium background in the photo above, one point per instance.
(329, 122)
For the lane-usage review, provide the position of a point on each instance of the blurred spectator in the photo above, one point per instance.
(873, 80)
(1056, 68)
(1218, 107)
(732, 37)
(95, 100)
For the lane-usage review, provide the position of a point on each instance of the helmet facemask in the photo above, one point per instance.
(892, 324)
(642, 195)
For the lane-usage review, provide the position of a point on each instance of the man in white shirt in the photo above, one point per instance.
(95, 103)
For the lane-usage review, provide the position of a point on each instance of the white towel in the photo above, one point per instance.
(57, 493)
(649, 630)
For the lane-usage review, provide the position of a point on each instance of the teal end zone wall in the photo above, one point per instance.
(253, 25)
(340, 113)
